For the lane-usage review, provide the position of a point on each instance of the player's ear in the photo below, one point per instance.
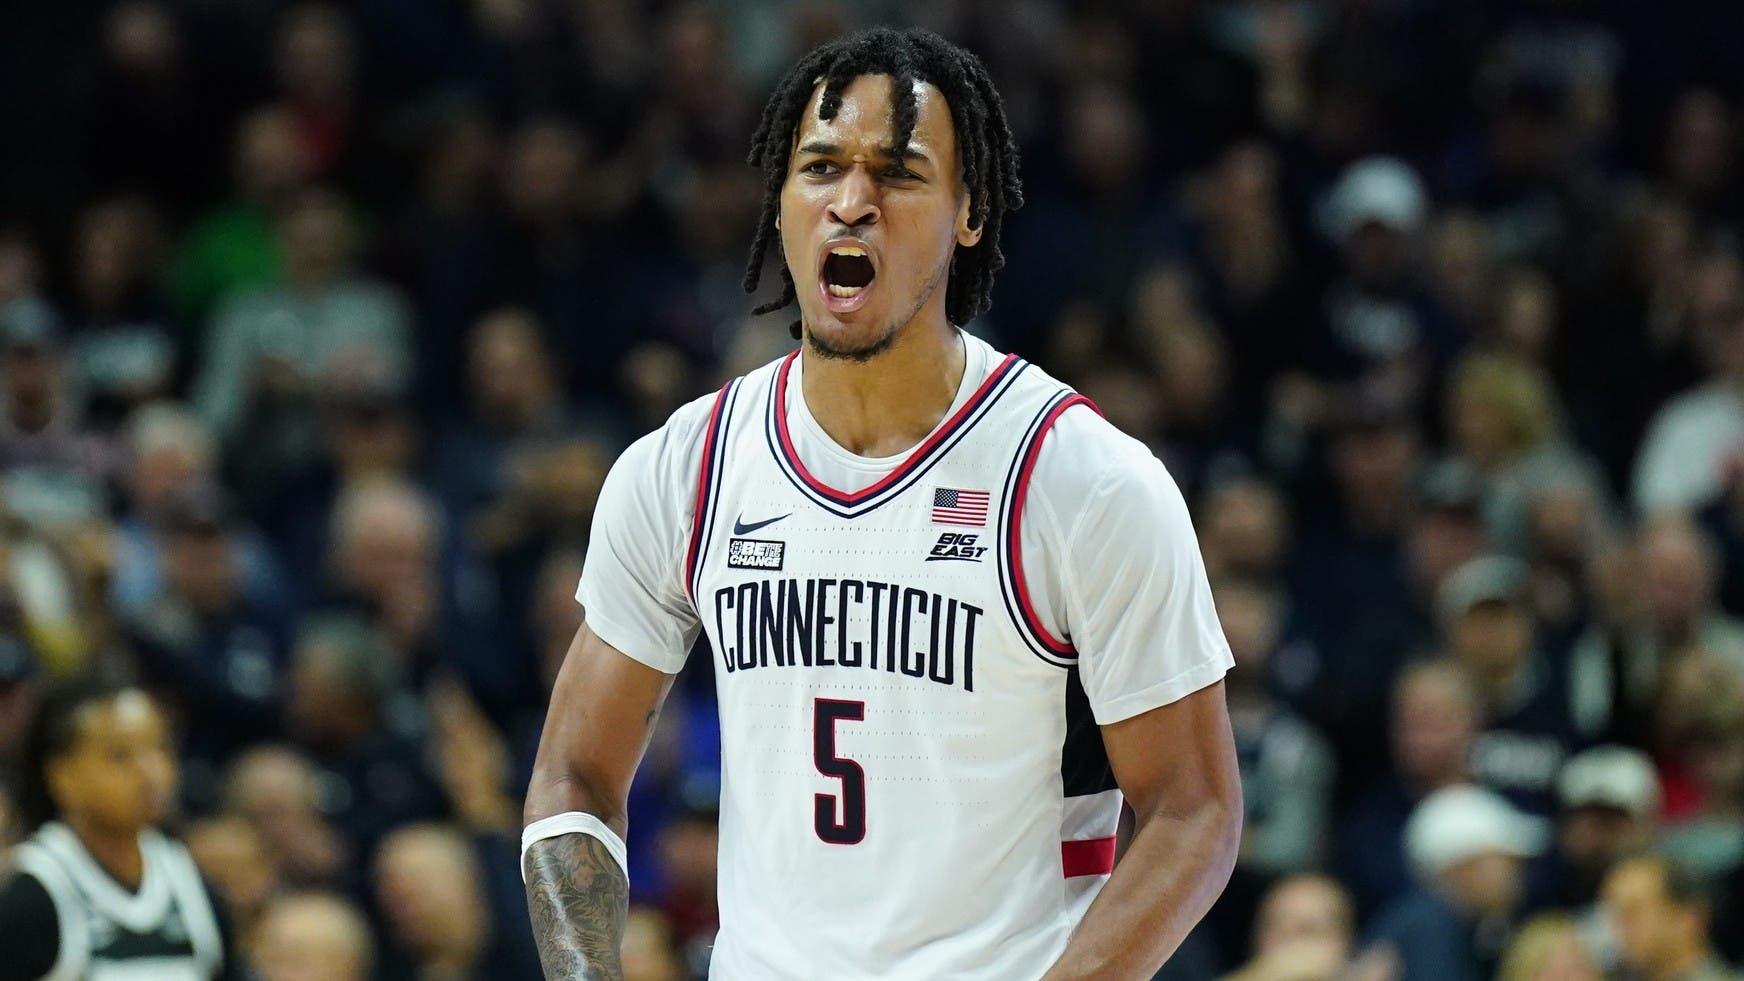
(966, 236)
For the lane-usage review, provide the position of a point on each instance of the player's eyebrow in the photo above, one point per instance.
(911, 152)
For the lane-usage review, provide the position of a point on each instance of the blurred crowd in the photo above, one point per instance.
(320, 324)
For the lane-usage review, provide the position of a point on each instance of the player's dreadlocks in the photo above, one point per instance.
(985, 145)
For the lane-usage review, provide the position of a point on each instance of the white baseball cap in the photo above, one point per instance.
(1464, 821)
(1382, 190)
(1611, 776)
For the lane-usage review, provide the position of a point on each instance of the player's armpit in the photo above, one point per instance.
(602, 713)
(579, 901)
(1177, 766)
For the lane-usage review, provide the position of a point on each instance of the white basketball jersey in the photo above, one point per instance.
(913, 785)
(166, 931)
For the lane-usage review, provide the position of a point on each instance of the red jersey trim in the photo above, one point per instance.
(1014, 535)
(1089, 856)
(915, 458)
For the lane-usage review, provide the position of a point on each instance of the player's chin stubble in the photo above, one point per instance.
(865, 352)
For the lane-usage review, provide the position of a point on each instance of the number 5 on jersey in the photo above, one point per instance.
(845, 825)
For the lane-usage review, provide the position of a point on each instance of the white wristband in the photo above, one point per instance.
(573, 823)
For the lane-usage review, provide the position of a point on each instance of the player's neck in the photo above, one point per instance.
(886, 405)
(117, 852)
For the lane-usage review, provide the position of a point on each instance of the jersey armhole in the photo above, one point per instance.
(707, 488)
(72, 951)
(1059, 651)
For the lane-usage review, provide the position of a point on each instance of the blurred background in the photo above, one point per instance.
(320, 324)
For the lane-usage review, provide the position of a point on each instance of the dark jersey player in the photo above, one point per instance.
(97, 892)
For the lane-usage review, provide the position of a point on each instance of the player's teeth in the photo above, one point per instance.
(848, 250)
(839, 290)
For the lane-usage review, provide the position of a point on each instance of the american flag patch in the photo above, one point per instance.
(959, 507)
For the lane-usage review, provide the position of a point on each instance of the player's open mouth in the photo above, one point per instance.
(846, 275)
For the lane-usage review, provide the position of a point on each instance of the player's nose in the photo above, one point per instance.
(856, 201)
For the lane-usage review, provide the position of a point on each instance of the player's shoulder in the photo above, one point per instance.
(1087, 461)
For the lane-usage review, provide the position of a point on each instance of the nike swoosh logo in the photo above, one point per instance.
(741, 528)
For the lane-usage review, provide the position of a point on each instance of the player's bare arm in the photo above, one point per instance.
(1188, 807)
(602, 713)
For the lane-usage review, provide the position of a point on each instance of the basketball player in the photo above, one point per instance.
(955, 615)
(97, 892)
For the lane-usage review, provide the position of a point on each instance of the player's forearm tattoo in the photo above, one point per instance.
(579, 901)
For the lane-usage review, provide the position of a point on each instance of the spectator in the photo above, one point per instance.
(1529, 727)
(1304, 932)
(1661, 914)
(268, 349)
(384, 564)
(314, 69)
(1609, 811)
(1287, 771)
(1256, 283)
(1565, 533)
(430, 888)
(1468, 848)
(1354, 597)
(278, 791)
(312, 937)
(1674, 582)
(168, 454)
(1245, 530)
(362, 433)
(515, 405)
(141, 121)
(42, 432)
(1382, 330)
(220, 651)
(1549, 948)
(244, 872)
(1435, 719)
(1687, 458)
(1710, 842)
(1506, 425)
(123, 353)
(231, 249)
(346, 705)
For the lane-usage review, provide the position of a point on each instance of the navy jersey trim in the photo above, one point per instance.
(1084, 766)
(708, 483)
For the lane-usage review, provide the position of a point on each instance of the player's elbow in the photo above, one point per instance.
(558, 788)
(1225, 815)
(1211, 817)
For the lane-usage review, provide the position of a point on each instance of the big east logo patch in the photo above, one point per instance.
(954, 546)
